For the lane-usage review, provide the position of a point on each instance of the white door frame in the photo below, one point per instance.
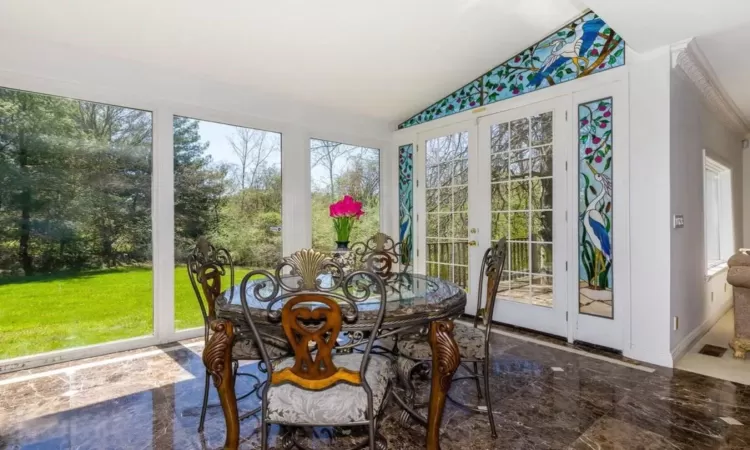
(612, 82)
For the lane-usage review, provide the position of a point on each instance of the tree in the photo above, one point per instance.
(200, 186)
(33, 133)
(253, 149)
(325, 154)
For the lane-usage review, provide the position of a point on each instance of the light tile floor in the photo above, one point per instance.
(727, 367)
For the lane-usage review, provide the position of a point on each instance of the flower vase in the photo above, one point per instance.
(342, 246)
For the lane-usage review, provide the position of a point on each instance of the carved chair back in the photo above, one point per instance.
(312, 305)
(493, 263)
(380, 254)
(206, 267)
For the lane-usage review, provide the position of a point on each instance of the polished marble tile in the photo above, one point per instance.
(153, 402)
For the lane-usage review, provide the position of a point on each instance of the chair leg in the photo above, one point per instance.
(476, 378)
(263, 428)
(205, 403)
(373, 424)
(488, 396)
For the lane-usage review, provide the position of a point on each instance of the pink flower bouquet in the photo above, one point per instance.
(344, 212)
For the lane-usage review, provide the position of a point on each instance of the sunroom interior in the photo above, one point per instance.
(601, 146)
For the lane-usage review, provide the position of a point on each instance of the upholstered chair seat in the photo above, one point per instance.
(339, 404)
(470, 342)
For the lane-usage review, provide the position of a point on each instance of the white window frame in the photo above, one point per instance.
(724, 227)
(296, 197)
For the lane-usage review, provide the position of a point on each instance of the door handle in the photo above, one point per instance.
(472, 243)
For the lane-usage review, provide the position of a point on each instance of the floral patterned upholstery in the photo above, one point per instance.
(470, 342)
(340, 404)
(245, 348)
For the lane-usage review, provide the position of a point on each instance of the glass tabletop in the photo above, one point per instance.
(408, 297)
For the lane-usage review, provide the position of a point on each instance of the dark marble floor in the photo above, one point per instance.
(544, 398)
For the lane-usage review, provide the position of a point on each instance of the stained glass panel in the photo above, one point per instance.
(595, 207)
(405, 191)
(585, 46)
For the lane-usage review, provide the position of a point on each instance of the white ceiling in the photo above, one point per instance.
(385, 59)
(727, 54)
(647, 24)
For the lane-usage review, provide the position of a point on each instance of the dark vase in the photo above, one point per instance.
(342, 245)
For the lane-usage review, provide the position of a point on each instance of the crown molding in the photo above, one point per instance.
(691, 63)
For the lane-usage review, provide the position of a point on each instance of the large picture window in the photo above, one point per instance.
(75, 214)
(228, 189)
(336, 170)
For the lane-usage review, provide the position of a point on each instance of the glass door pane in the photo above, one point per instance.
(521, 153)
(447, 207)
(228, 189)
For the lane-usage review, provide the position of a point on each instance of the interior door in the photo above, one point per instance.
(521, 196)
(447, 247)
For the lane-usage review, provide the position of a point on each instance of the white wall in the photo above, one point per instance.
(649, 206)
(746, 196)
(693, 127)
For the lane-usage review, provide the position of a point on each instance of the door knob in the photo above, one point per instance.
(473, 230)
(472, 243)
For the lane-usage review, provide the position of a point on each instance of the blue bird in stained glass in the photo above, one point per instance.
(563, 51)
(594, 223)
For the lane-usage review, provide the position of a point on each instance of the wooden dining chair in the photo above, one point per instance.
(317, 386)
(210, 270)
(473, 342)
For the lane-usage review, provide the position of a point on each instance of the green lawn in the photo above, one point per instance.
(53, 312)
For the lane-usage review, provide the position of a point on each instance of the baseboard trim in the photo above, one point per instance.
(688, 341)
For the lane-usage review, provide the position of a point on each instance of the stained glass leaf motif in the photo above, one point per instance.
(548, 62)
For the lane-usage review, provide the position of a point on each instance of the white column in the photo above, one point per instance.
(296, 197)
(162, 224)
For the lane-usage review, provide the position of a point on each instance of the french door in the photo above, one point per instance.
(521, 196)
(499, 176)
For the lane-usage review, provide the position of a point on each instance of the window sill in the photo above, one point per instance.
(716, 270)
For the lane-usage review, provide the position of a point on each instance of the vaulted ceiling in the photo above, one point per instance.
(386, 59)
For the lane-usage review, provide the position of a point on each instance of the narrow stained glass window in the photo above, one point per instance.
(595, 208)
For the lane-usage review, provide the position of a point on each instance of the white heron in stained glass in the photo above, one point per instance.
(594, 222)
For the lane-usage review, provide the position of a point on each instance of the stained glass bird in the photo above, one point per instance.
(563, 51)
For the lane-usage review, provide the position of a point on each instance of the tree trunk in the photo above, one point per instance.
(25, 202)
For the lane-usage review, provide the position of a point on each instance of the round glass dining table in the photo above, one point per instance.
(413, 301)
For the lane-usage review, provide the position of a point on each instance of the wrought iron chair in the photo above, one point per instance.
(319, 387)
(380, 254)
(206, 267)
(473, 342)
